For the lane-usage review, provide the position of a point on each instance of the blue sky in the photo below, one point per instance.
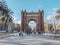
(33, 5)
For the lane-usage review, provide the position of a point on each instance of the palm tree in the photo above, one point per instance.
(57, 17)
(6, 13)
(58, 14)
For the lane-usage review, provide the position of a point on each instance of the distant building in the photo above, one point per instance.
(58, 27)
(48, 27)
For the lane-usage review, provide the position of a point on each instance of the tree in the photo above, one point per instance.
(57, 17)
(58, 14)
(6, 13)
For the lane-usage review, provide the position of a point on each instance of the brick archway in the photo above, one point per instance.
(37, 16)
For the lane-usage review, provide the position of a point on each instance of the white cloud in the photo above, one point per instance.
(51, 15)
(54, 9)
(17, 21)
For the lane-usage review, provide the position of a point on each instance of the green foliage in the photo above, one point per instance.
(58, 11)
(58, 14)
(6, 13)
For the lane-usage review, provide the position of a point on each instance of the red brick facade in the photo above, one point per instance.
(36, 16)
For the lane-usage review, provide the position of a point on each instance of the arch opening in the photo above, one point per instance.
(32, 24)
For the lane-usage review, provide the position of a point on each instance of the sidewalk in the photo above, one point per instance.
(4, 35)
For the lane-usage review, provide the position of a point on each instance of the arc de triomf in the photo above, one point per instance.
(38, 17)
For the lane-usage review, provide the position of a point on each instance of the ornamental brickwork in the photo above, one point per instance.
(38, 17)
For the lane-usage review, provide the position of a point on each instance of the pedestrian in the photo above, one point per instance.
(21, 34)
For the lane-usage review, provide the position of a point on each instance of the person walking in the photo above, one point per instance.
(21, 33)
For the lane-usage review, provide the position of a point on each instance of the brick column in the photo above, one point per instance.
(42, 21)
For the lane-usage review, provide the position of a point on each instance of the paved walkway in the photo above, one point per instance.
(30, 40)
